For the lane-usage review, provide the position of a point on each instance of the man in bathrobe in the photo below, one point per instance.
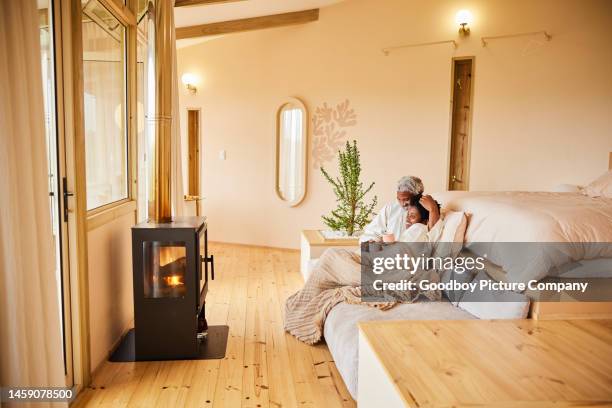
(392, 217)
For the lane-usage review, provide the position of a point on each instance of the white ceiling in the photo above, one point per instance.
(194, 15)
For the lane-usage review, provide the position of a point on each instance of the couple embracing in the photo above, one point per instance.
(409, 219)
(336, 277)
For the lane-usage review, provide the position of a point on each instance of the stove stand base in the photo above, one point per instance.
(211, 348)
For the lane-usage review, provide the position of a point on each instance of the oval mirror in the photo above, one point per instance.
(291, 151)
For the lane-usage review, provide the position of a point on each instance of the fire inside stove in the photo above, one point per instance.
(173, 280)
(164, 269)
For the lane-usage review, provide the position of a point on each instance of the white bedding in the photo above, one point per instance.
(516, 216)
(571, 219)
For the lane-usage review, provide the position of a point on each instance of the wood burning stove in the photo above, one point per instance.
(170, 286)
(171, 277)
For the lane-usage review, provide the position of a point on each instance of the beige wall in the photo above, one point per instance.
(542, 110)
(111, 308)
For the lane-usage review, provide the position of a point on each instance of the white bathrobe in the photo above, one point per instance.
(390, 218)
(416, 233)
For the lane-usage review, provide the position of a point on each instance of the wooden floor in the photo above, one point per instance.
(263, 367)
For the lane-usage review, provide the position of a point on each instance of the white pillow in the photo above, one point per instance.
(600, 187)
(567, 188)
(453, 235)
(497, 310)
(486, 304)
(455, 224)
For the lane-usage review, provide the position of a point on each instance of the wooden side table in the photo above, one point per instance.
(313, 244)
(485, 363)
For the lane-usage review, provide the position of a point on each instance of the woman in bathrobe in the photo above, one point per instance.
(418, 217)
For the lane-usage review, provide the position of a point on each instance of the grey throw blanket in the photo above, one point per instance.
(336, 278)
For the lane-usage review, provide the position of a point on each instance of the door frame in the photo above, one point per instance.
(70, 136)
(64, 233)
(450, 122)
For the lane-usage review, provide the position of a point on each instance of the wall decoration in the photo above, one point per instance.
(329, 126)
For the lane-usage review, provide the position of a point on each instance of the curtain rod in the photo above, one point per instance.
(387, 50)
(497, 37)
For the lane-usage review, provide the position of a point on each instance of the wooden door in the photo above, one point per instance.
(193, 129)
(461, 124)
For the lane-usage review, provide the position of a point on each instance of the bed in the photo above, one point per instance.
(572, 220)
(567, 227)
(578, 226)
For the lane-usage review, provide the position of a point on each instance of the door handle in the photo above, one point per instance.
(193, 198)
(456, 180)
(66, 195)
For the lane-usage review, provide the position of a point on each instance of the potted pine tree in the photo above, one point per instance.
(352, 213)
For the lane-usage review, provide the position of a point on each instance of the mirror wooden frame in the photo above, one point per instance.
(298, 103)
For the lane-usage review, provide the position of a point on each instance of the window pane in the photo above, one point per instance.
(105, 106)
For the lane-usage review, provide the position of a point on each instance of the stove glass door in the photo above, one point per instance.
(165, 267)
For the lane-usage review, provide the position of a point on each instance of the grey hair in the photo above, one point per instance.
(410, 184)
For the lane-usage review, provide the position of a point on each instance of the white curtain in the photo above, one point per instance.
(178, 200)
(30, 335)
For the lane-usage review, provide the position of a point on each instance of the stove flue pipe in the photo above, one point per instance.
(160, 110)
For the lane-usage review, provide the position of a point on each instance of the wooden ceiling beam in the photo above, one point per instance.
(248, 24)
(183, 3)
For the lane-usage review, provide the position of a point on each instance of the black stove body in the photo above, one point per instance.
(170, 286)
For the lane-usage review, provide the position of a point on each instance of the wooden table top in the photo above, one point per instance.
(315, 238)
(496, 362)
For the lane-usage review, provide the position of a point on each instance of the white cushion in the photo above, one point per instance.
(494, 304)
(497, 310)
(453, 235)
(455, 224)
(600, 187)
(455, 296)
(567, 188)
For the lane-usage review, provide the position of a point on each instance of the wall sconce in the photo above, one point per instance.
(190, 81)
(464, 19)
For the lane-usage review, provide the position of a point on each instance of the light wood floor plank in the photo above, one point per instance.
(254, 380)
(129, 376)
(229, 381)
(282, 387)
(202, 383)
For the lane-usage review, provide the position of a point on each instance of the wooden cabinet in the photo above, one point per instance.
(570, 310)
(485, 363)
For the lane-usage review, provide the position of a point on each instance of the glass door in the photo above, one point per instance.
(55, 159)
